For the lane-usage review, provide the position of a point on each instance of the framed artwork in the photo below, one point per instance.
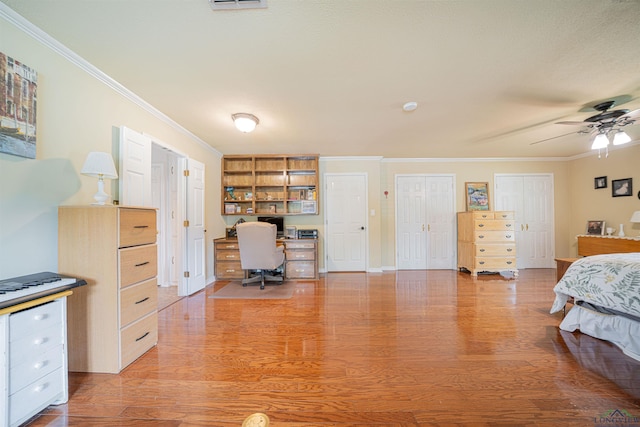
(600, 182)
(477, 196)
(595, 228)
(17, 108)
(621, 187)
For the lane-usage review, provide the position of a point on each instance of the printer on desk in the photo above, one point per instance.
(308, 234)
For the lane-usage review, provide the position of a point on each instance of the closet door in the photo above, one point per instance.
(425, 222)
(531, 198)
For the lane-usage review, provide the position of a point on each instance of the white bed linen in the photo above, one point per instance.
(619, 330)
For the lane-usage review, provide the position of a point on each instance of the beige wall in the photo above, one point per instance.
(77, 114)
(591, 204)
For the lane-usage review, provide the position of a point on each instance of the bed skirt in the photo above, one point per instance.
(618, 330)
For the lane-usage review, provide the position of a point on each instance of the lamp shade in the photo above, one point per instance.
(600, 141)
(245, 122)
(635, 217)
(99, 165)
(620, 138)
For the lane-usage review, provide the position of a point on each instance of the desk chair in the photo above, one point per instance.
(258, 251)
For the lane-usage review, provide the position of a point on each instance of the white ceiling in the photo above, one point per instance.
(330, 77)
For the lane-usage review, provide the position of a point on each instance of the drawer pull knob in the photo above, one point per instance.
(509, 250)
(40, 316)
(508, 236)
(231, 256)
(142, 300)
(142, 263)
(40, 341)
(481, 250)
(40, 387)
(142, 337)
(481, 263)
(509, 262)
(480, 225)
(508, 225)
(230, 271)
(140, 226)
(481, 237)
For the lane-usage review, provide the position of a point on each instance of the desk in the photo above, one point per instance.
(301, 259)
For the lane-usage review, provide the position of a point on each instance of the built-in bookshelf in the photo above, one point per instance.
(270, 184)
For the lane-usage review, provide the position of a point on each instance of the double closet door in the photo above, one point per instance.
(425, 222)
(530, 196)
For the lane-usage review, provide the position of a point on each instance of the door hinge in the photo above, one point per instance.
(186, 223)
(186, 172)
(186, 274)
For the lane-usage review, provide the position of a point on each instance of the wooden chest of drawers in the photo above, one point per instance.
(486, 241)
(113, 319)
(301, 259)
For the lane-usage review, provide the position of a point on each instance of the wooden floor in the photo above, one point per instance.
(410, 348)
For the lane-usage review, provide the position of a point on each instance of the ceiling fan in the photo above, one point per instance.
(607, 123)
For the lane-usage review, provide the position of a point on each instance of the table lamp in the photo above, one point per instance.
(100, 165)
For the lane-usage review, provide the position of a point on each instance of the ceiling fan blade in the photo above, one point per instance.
(556, 137)
(631, 114)
(575, 123)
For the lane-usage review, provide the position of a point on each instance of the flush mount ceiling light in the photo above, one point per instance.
(245, 122)
(410, 106)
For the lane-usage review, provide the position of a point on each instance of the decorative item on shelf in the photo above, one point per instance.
(621, 232)
(249, 211)
(595, 228)
(622, 187)
(248, 195)
(477, 196)
(272, 208)
(100, 165)
(610, 231)
(230, 192)
(600, 182)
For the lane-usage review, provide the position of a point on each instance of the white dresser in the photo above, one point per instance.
(33, 358)
(113, 320)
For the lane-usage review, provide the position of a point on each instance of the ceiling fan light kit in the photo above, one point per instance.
(621, 137)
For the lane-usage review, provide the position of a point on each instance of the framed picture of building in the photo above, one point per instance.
(18, 101)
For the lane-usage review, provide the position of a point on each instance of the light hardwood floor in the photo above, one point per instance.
(408, 348)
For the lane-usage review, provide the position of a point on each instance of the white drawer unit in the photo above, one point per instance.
(33, 358)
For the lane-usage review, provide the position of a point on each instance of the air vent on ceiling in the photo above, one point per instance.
(237, 4)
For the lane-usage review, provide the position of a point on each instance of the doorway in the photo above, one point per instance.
(346, 219)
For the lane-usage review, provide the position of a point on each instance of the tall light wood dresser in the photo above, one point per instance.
(112, 320)
(486, 242)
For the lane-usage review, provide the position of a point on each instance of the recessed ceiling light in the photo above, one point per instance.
(410, 106)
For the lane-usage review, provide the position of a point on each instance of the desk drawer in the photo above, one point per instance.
(137, 227)
(299, 245)
(25, 322)
(137, 338)
(300, 255)
(227, 255)
(220, 246)
(229, 270)
(137, 264)
(36, 342)
(301, 270)
(138, 300)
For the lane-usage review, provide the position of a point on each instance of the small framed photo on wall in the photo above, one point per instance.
(600, 182)
(621, 187)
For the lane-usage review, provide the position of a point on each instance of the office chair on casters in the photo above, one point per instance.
(258, 251)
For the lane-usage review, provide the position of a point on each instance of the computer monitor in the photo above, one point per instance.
(277, 220)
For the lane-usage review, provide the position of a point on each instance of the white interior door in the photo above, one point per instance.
(531, 198)
(425, 222)
(135, 168)
(346, 218)
(411, 227)
(195, 246)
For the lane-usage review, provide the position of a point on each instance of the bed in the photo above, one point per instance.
(606, 294)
